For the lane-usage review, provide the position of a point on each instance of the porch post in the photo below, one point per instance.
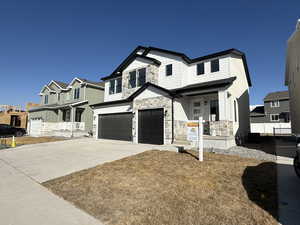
(222, 98)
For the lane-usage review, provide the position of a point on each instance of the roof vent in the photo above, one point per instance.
(298, 25)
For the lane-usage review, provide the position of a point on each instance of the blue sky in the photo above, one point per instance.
(45, 40)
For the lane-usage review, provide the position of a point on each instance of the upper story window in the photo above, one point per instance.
(119, 85)
(58, 97)
(274, 117)
(115, 86)
(214, 65)
(169, 70)
(274, 104)
(76, 93)
(132, 79)
(200, 69)
(46, 99)
(137, 78)
(142, 77)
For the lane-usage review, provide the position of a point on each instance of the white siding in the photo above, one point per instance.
(178, 67)
(191, 76)
(151, 92)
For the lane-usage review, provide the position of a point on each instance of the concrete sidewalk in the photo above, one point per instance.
(24, 202)
(288, 184)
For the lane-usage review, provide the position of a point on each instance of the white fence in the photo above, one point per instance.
(269, 128)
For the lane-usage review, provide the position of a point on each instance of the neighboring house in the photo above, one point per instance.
(274, 116)
(64, 109)
(13, 116)
(292, 77)
(153, 93)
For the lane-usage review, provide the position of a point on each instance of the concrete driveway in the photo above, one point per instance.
(47, 161)
(24, 201)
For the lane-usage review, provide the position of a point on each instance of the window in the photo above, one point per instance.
(119, 85)
(137, 78)
(111, 87)
(76, 93)
(142, 77)
(235, 111)
(214, 110)
(66, 115)
(214, 65)
(274, 104)
(46, 99)
(274, 117)
(169, 70)
(15, 121)
(132, 79)
(200, 68)
(78, 114)
(58, 97)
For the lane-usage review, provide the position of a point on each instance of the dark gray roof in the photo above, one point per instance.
(279, 95)
(258, 111)
(61, 84)
(100, 83)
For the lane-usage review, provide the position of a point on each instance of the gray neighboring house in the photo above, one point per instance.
(64, 108)
(275, 113)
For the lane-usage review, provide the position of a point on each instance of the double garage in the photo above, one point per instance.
(119, 126)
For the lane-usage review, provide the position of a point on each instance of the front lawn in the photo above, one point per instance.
(162, 187)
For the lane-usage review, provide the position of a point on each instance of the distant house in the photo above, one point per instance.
(64, 108)
(292, 77)
(154, 93)
(13, 116)
(275, 113)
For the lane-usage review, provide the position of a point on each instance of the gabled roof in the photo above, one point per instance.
(118, 71)
(60, 84)
(83, 80)
(47, 87)
(258, 111)
(279, 95)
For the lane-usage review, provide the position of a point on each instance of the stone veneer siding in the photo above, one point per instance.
(154, 103)
(151, 76)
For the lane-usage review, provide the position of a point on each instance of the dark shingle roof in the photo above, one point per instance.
(279, 95)
(100, 83)
(61, 84)
(258, 111)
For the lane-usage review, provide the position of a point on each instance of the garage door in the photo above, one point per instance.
(151, 126)
(115, 126)
(35, 127)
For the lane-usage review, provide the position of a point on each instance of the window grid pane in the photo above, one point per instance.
(200, 68)
(214, 64)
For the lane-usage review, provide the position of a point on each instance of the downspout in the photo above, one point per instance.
(172, 120)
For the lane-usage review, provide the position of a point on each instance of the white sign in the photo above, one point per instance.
(192, 130)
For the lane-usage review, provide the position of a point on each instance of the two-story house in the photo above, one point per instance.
(153, 93)
(64, 108)
(273, 116)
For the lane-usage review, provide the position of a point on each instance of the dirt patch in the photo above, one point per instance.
(162, 187)
(29, 140)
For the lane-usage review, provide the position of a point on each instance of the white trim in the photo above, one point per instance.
(71, 83)
(46, 86)
(52, 81)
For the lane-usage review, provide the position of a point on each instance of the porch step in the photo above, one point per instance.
(181, 143)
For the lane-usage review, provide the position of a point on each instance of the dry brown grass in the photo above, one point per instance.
(161, 187)
(30, 140)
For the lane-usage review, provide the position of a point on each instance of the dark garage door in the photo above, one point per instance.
(151, 126)
(115, 126)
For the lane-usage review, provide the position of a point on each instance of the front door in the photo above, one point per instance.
(197, 109)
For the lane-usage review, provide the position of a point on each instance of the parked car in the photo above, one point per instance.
(7, 130)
